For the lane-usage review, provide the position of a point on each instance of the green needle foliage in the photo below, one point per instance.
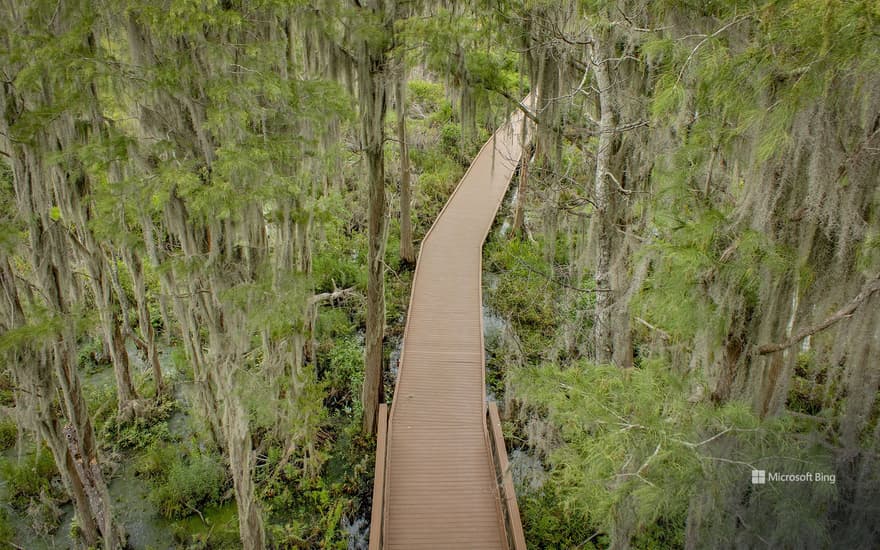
(633, 450)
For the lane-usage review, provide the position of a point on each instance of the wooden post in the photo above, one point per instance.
(515, 535)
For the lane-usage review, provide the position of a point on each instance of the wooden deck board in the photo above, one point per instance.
(440, 485)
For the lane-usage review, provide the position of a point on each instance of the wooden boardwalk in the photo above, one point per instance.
(440, 486)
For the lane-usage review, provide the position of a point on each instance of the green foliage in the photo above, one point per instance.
(191, 482)
(101, 402)
(807, 391)
(398, 286)
(181, 363)
(301, 411)
(25, 480)
(304, 503)
(7, 530)
(10, 226)
(6, 388)
(323, 534)
(344, 375)
(450, 138)
(444, 114)
(90, 355)
(546, 523)
(43, 328)
(140, 432)
(484, 59)
(428, 96)
(633, 445)
(8, 433)
(316, 514)
(265, 133)
(493, 70)
(269, 304)
(339, 258)
(215, 529)
(75, 531)
(668, 95)
(438, 174)
(868, 253)
(524, 295)
(156, 460)
(333, 322)
(697, 246)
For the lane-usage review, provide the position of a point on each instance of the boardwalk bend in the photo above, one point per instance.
(441, 467)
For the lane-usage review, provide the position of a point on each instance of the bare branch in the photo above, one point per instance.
(663, 334)
(330, 296)
(575, 135)
(703, 41)
(846, 311)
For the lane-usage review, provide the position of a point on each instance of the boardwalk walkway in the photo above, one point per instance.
(440, 481)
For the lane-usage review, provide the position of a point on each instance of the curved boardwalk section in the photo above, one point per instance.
(441, 489)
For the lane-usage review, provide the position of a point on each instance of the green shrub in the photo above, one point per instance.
(155, 462)
(193, 482)
(428, 95)
(547, 524)
(313, 519)
(8, 433)
(140, 432)
(345, 374)
(525, 294)
(445, 113)
(339, 260)
(7, 531)
(101, 402)
(450, 138)
(438, 175)
(217, 531)
(181, 362)
(333, 322)
(26, 479)
(397, 294)
(91, 355)
(632, 449)
(6, 385)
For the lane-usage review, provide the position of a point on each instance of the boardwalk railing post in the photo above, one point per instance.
(516, 539)
(376, 517)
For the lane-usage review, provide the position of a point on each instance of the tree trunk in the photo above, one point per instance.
(371, 92)
(125, 392)
(519, 209)
(407, 252)
(602, 220)
(148, 334)
(241, 462)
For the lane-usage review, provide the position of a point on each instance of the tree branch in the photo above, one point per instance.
(870, 288)
(330, 296)
(663, 334)
(703, 41)
(577, 136)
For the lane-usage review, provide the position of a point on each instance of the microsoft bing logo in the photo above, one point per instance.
(759, 477)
